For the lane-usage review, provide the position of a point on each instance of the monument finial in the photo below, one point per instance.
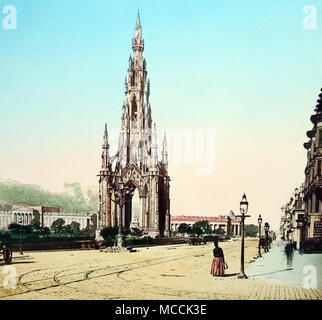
(105, 136)
(165, 150)
(137, 42)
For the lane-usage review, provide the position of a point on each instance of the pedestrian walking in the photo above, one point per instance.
(289, 252)
(218, 262)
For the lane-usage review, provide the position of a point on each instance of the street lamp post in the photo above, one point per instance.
(20, 222)
(119, 237)
(266, 228)
(259, 234)
(243, 211)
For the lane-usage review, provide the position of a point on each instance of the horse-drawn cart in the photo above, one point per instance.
(195, 241)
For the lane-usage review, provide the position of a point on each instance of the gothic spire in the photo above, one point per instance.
(165, 150)
(105, 153)
(105, 138)
(138, 21)
(154, 138)
(154, 146)
(137, 42)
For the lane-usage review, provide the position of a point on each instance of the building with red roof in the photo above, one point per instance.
(229, 223)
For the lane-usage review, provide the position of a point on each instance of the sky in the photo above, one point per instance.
(248, 72)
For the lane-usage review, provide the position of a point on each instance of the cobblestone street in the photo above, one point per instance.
(179, 272)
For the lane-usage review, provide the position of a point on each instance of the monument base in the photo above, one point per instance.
(119, 241)
(98, 236)
(153, 233)
(167, 234)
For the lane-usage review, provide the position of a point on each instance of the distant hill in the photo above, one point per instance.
(72, 200)
(76, 189)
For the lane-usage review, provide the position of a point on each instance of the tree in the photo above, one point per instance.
(5, 237)
(14, 227)
(35, 226)
(46, 231)
(109, 234)
(204, 226)
(196, 230)
(219, 231)
(17, 228)
(36, 217)
(67, 229)
(184, 228)
(251, 230)
(75, 227)
(57, 225)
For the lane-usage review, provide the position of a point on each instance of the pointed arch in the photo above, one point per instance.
(145, 190)
(133, 78)
(134, 108)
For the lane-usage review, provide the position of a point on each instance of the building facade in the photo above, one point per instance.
(26, 215)
(230, 224)
(5, 219)
(302, 216)
(313, 175)
(292, 213)
(135, 166)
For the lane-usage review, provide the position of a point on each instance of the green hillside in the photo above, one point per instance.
(16, 193)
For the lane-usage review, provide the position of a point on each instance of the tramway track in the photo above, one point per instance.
(63, 280)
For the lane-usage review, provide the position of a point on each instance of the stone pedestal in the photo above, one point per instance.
(153, 233)
(134, 223)
(119, 241)
(167, 233)
(98, 236)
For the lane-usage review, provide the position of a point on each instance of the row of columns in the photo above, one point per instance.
(26, 218)
(5, 220)
(235, 230)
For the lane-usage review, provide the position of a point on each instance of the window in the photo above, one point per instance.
(320, 138)
(317, 204)
(134, 109)
(133, 78)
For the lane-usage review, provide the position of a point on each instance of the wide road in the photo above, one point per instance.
(178, 272)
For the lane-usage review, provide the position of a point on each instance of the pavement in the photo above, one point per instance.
(177, 272)
(272, 268)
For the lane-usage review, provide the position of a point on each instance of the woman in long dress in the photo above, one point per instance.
(218, 262)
